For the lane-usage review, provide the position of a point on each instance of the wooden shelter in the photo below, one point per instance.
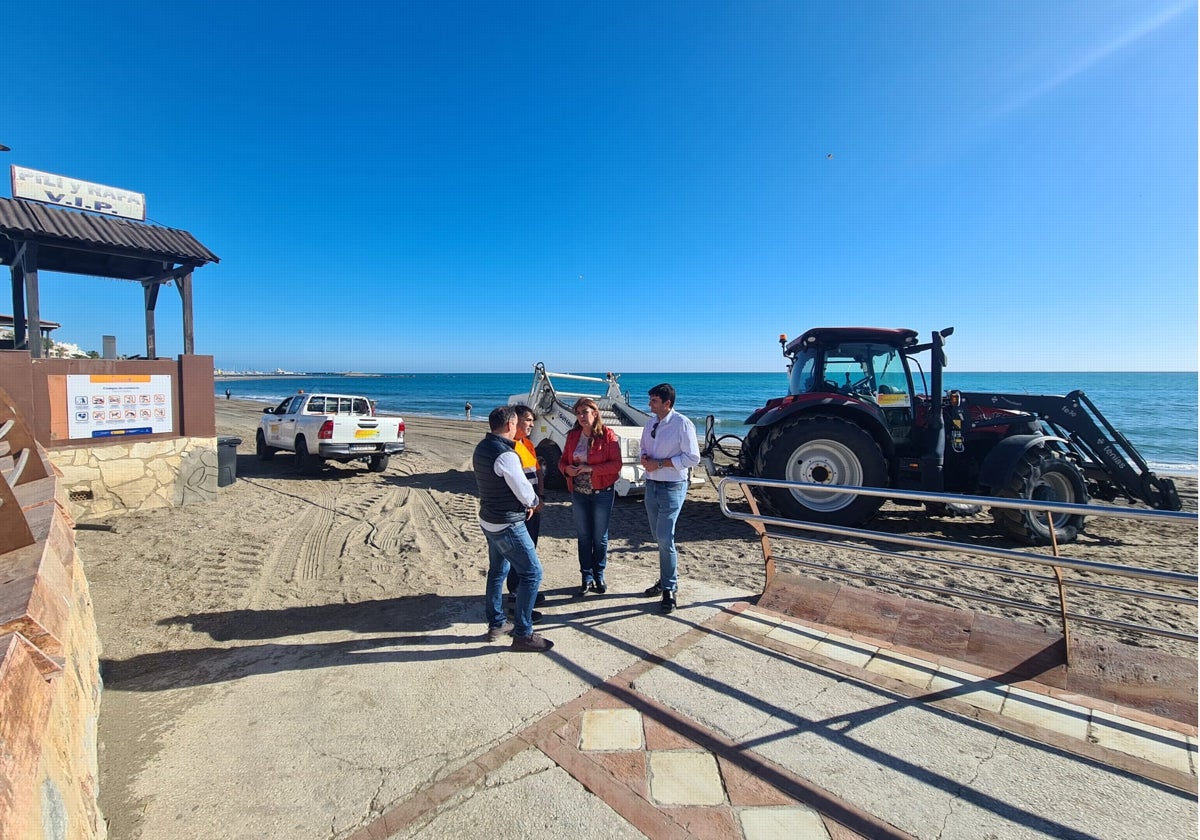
(37, 237)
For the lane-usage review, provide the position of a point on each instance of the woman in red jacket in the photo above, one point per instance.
(591, 461)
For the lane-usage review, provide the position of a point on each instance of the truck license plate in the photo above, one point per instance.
(362, 447)
(366, 433)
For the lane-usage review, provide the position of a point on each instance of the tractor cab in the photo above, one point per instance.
(865, 364)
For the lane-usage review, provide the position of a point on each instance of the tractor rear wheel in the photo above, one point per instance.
(549, 453)
(822, 450)
(1043, 475)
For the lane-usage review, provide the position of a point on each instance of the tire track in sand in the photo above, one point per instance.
(296, 556)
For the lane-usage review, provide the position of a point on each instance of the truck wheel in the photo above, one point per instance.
(264, 452)
(378, 463)
(1043, 475)
(822, 450)
(305, 463)
(549, 453)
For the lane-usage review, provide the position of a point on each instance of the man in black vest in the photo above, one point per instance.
(506, 501)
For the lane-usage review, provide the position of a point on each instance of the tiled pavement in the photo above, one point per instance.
(667, 776)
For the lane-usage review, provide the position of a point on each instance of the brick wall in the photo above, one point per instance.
(49, 669)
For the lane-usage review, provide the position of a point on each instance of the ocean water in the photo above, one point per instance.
(1157, 412)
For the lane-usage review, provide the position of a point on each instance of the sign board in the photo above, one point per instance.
(81, 195)
(102, 405)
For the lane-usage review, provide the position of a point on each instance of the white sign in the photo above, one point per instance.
(82, 195)
(108, 405)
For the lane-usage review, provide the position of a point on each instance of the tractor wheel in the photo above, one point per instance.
(749, 450)
(549, 453)
(305, 463)
(1043, 475)
(264, 452)
(822, 450)
(378, 463)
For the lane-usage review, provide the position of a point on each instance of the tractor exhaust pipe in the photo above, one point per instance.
(935, 452)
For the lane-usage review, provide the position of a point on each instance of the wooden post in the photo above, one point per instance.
(17, 271)
(184, 284)
(150, 293)
(33, 317)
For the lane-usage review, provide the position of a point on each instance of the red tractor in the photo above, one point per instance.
(859, 413)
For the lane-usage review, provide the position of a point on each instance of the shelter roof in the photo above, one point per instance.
(101, 246)
(7, 322)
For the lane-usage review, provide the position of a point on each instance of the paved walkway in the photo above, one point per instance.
(726, 719)
(758, 725)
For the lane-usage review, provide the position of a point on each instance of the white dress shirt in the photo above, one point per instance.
(674, 443)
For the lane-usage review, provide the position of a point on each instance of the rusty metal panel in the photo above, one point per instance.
(54, 226)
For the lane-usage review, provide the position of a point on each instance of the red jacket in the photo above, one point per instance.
(604, 457)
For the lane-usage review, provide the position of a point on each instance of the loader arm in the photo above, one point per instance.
(1107, 457)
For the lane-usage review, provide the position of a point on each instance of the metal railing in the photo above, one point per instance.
(1054, 561)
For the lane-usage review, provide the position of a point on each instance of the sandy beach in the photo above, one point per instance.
(275, 540)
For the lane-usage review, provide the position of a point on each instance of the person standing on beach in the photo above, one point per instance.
(534, 472)
(591, 461)
(506, 501)
(227, 394)
(467, 409)
(669, 451)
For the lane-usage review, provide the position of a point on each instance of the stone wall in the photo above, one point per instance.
(120, 478)
(50, 682)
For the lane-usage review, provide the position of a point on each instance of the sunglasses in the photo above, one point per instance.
(654, 429)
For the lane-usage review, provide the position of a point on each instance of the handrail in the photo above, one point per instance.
(1055, 562)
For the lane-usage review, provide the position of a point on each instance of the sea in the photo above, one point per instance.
(1157, 412)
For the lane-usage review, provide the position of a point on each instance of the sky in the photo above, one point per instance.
(630, 186)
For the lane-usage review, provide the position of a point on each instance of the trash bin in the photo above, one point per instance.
(227, 459)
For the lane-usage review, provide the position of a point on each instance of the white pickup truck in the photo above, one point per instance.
(329, 427)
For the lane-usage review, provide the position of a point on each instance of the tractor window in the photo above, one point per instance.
(801, 379)
(889, 373)
(849, 369)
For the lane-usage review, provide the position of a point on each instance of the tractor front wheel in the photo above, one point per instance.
(1043, 475)
(822, 450)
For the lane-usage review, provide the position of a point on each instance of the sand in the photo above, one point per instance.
(276, 539)
(171, 585)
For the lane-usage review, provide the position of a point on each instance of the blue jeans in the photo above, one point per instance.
(513, 548)
(592, 513)
(664, 501)
(533, 525)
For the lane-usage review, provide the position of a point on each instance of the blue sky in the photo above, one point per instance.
(640, 186)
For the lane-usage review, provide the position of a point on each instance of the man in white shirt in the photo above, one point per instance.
(506, 501)
(669, 451)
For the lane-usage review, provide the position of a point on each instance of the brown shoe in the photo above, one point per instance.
(533, 643)
(495, 634)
